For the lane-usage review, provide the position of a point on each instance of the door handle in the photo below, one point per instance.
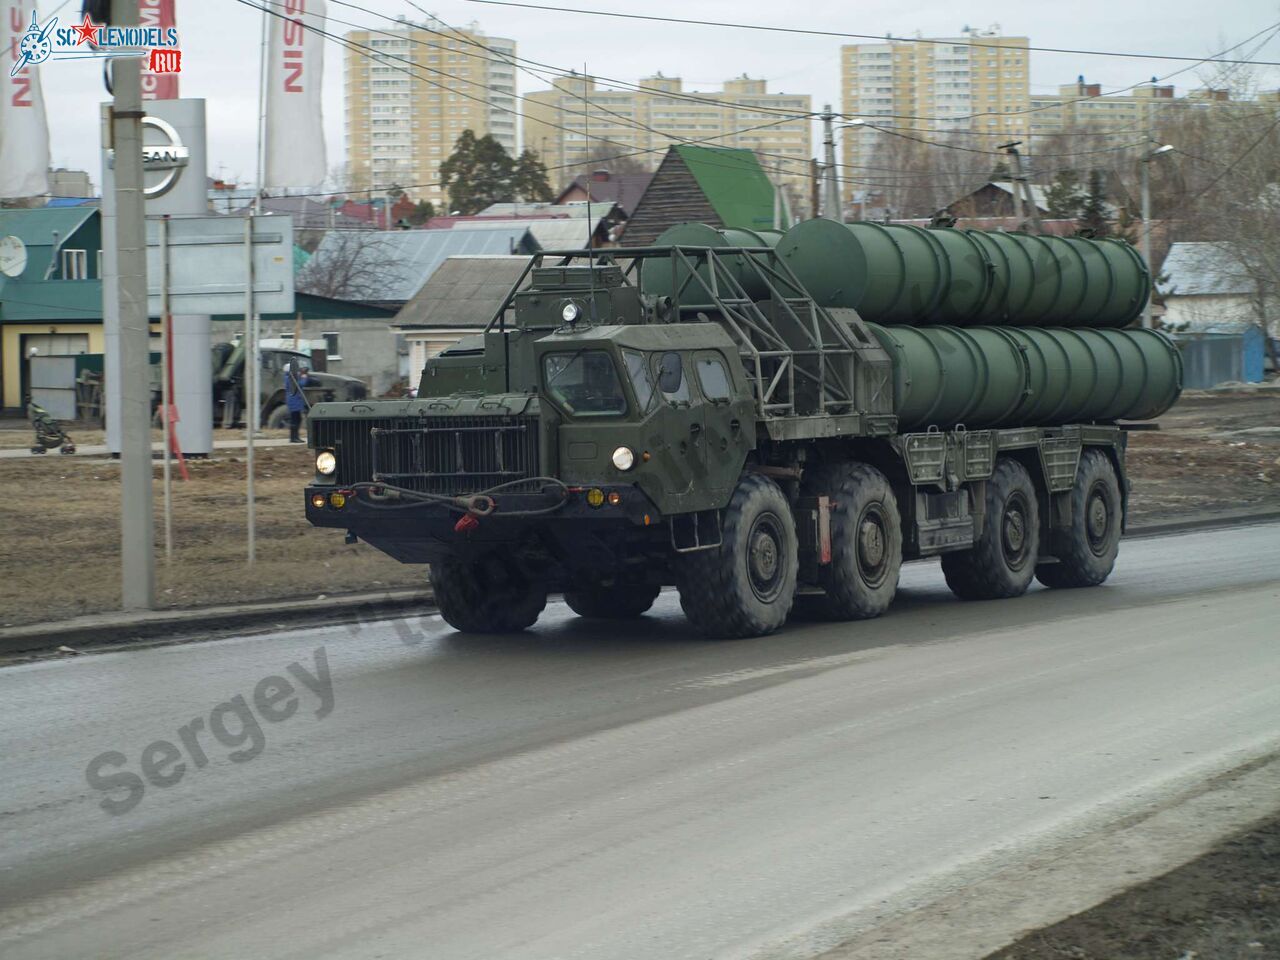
(695, 429)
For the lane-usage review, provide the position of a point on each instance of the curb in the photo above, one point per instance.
(102, 629)
(97, 630)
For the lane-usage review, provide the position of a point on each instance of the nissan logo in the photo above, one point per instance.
(168, 158)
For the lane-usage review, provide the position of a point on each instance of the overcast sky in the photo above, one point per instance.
(220, 44)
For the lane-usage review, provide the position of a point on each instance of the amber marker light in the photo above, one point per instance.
(595, 497)
(337, 500)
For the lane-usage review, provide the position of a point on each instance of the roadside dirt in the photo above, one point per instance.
(61, 539)
(1223, 906)
(1214, 453)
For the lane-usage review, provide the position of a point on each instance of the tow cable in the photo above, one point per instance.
(472, 506)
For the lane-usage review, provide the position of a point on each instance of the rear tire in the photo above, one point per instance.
(1087, 552)
(488, 595)
(1003, 561)
(278, 418)
(622, 602)
(866, 545)
(744, 587)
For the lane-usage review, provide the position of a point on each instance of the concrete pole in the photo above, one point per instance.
(137, 523)
(1146, 235)
(831, 192)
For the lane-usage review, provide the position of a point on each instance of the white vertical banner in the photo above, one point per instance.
(294, 147)
(24, 133)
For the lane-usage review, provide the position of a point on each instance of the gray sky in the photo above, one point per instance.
(220, 44)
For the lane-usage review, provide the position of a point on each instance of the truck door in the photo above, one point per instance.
(725, 436)
(678, 439)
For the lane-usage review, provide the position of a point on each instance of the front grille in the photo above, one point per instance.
(449, 455)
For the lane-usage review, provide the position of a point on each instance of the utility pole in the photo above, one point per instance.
(831, 192)
(137, 523)
(1146, 224)
(1030, 213)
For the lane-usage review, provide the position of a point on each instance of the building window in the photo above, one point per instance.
(332, 346)
(75, 265)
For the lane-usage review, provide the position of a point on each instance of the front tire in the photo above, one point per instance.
(278, 418)
(488, 595)
(746, 586)
(866, 545)
(1087, 551)
(619, 602)
(1003, 561)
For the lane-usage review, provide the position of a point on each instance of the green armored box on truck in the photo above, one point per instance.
(764, 422)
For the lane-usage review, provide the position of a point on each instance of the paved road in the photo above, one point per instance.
(629, 791)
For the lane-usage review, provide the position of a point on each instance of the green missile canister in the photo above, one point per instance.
(1002, 377)
(662, 277)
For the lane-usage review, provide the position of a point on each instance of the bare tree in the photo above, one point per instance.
(351, 265)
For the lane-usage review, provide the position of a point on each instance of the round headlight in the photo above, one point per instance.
(571, 312)
(326, 462)
(623, 458)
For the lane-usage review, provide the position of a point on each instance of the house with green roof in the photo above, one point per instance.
(50, 289)
(719, 186)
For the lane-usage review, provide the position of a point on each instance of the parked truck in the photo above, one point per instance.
(229, 385)
(767, 422)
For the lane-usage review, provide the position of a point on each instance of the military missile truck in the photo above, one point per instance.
(767, 422)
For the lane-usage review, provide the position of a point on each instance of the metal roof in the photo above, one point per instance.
(464, 293)
(413, 256)
(1204, 269)
(36, 226)
(734, 184)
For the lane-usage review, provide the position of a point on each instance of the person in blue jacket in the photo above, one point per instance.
(295, 378)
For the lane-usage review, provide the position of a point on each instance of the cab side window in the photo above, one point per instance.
(713, 377)
(672, 383)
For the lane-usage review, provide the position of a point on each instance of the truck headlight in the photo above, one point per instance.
(624, 458)
(326, 463)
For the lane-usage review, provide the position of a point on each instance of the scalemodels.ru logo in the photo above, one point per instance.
(38, 44)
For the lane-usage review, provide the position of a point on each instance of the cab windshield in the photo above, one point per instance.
(585, 383)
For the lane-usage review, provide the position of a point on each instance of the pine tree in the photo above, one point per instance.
(1064, 196)
(1093, 213)
(477, 174)
(529, 181)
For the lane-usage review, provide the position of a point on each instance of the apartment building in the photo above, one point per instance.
(412, 90)
(579, 120)
(976, 84)
(1082, 107)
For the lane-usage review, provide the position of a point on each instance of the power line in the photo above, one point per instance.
(858, 36)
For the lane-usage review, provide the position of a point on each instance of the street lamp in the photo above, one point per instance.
(831, 192)
(1146, 221)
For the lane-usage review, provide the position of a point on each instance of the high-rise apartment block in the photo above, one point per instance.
(577, 122)
(978, 83)
(412, 90)
(1083, 107)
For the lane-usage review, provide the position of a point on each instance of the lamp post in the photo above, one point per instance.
(1146, 222)
(830, 186)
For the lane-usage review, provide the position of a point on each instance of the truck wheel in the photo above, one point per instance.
(278, 418)
(620, 602)
(744, 587)
(1003, 561)
(489, 595)
(866, 545)
(1087, 552)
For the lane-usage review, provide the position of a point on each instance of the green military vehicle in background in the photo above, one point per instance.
(229, 385)
(767, 422)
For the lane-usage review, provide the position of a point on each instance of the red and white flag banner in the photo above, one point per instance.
(294, 133)
(24, 132)
(157, 86)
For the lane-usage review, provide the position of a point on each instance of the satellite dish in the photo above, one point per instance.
(13, 256)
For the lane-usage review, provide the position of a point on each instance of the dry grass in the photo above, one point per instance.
(62, 539)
